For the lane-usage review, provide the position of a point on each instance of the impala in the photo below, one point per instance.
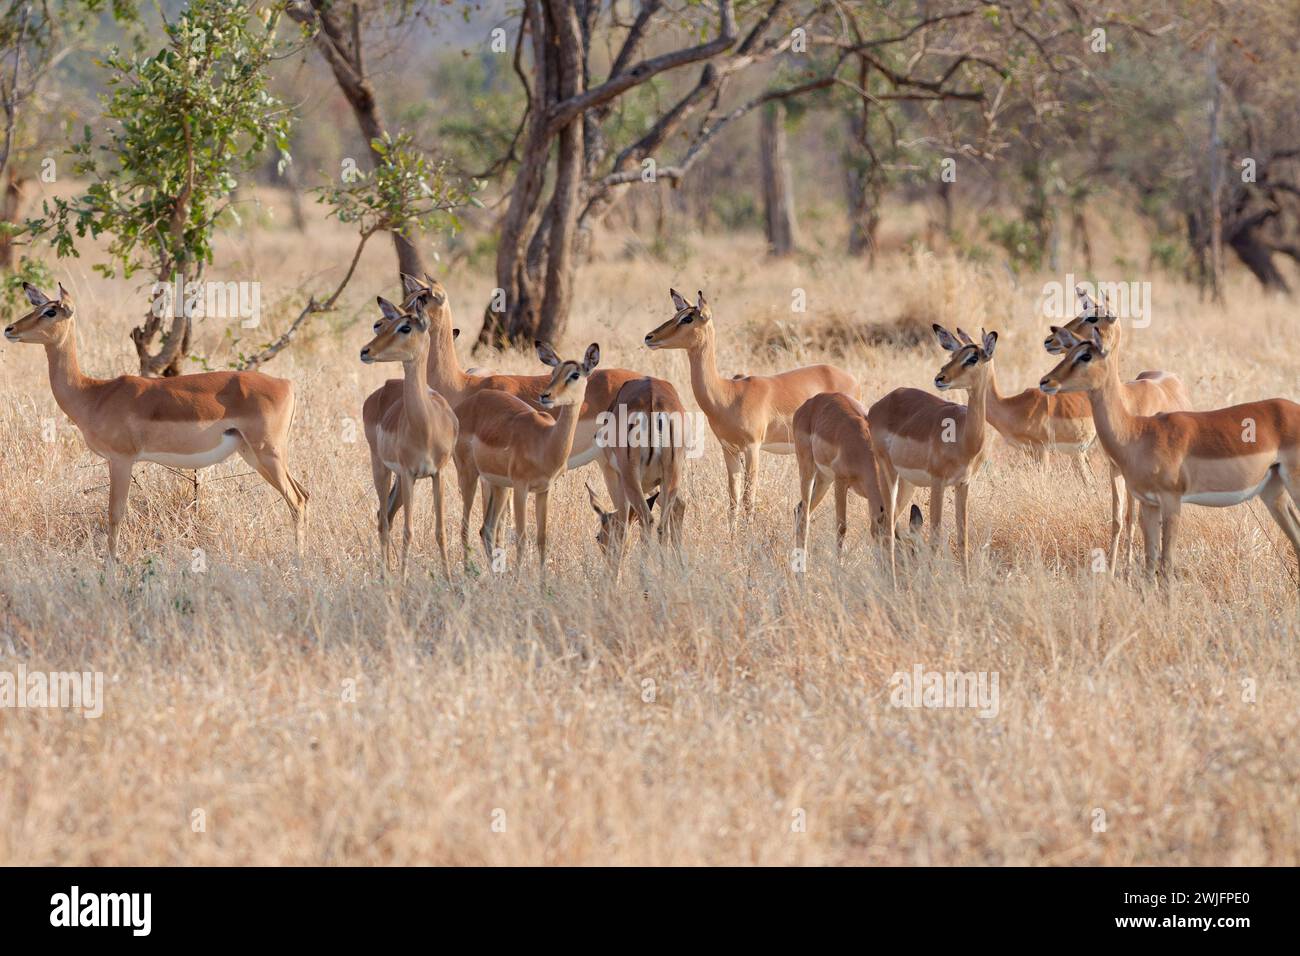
(747, 413)
(1151, 393)
(187, 421)
(513, 447)
(416, 434)
(832, 443)
(453, 383)
(1217, 458)
(644, 450)
(919, 439)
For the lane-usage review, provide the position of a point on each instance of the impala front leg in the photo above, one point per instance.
(1149, 521)
(751, 479)
(936, 515)
(960, 496)
(734, 466)
(1116, 515)
(1170, 513)
(439, 532)
(540, 503)
(119, 484)
(521, 519)
(841, 514)
(406, 486)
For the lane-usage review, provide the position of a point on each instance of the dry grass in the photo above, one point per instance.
(482, 700)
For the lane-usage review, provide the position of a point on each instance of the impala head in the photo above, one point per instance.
(48, 323)
(969, 363)
(686, 329)
(568, 384)
(608, 519)
(1092, 315)
(426, 295)
(1082, 369)
(399, 336)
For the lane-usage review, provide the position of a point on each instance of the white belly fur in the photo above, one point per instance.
(1225, 499)
(780, 448)
(223, 450)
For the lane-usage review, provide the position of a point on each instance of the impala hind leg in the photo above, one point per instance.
(889, 492)
(467, 483)
(1274, 496)
(492, 507)
(266, 461)
(841, 514)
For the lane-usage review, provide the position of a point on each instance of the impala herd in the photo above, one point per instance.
(515, 434)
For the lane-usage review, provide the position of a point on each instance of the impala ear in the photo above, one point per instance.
(390, 311)
(545, 354)
(650, 502)
(1067, 338)
(455, 334)
(990, 343)
(1086, 305)
(1095, 338)
(702, 307)
(34, 295)
(678, 302)
(595, 502)
(412, 285)
(591, 359)
(965, 339)
(946, 339)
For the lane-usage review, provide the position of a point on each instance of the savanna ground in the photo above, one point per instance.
(726, 710)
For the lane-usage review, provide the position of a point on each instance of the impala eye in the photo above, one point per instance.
(687, 319)
(378, 326)
(971, 361)
(49, 313)
(1085, 357)
(405, 329)
(573, 377)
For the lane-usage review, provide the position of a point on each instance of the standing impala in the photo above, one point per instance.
(415, 437)
(832, 443)
(1217, 458)
(920, 439)
(1151, 393)
(747, 413)
(188, 421)
(453, 383)
(516, 449)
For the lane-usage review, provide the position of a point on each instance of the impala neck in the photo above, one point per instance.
(566, 426)
(1116, 425)
(977, 407)
(998, 414)
(66, 381)
(445, 374)
(416, 401)
(709, 387)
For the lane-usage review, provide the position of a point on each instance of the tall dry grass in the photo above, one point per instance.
(725, 710)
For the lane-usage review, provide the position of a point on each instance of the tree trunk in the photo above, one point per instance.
(778, 186)
(10, 208)
(1257, 256)
(345, 60)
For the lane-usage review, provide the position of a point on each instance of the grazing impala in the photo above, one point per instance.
(919, 439)
(416, 434)
(188, 421)
(832, 443)
(747, 413)
(453, 383)
(515, 448)
(643, 448)
(1151, 393)
(1217, 458)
